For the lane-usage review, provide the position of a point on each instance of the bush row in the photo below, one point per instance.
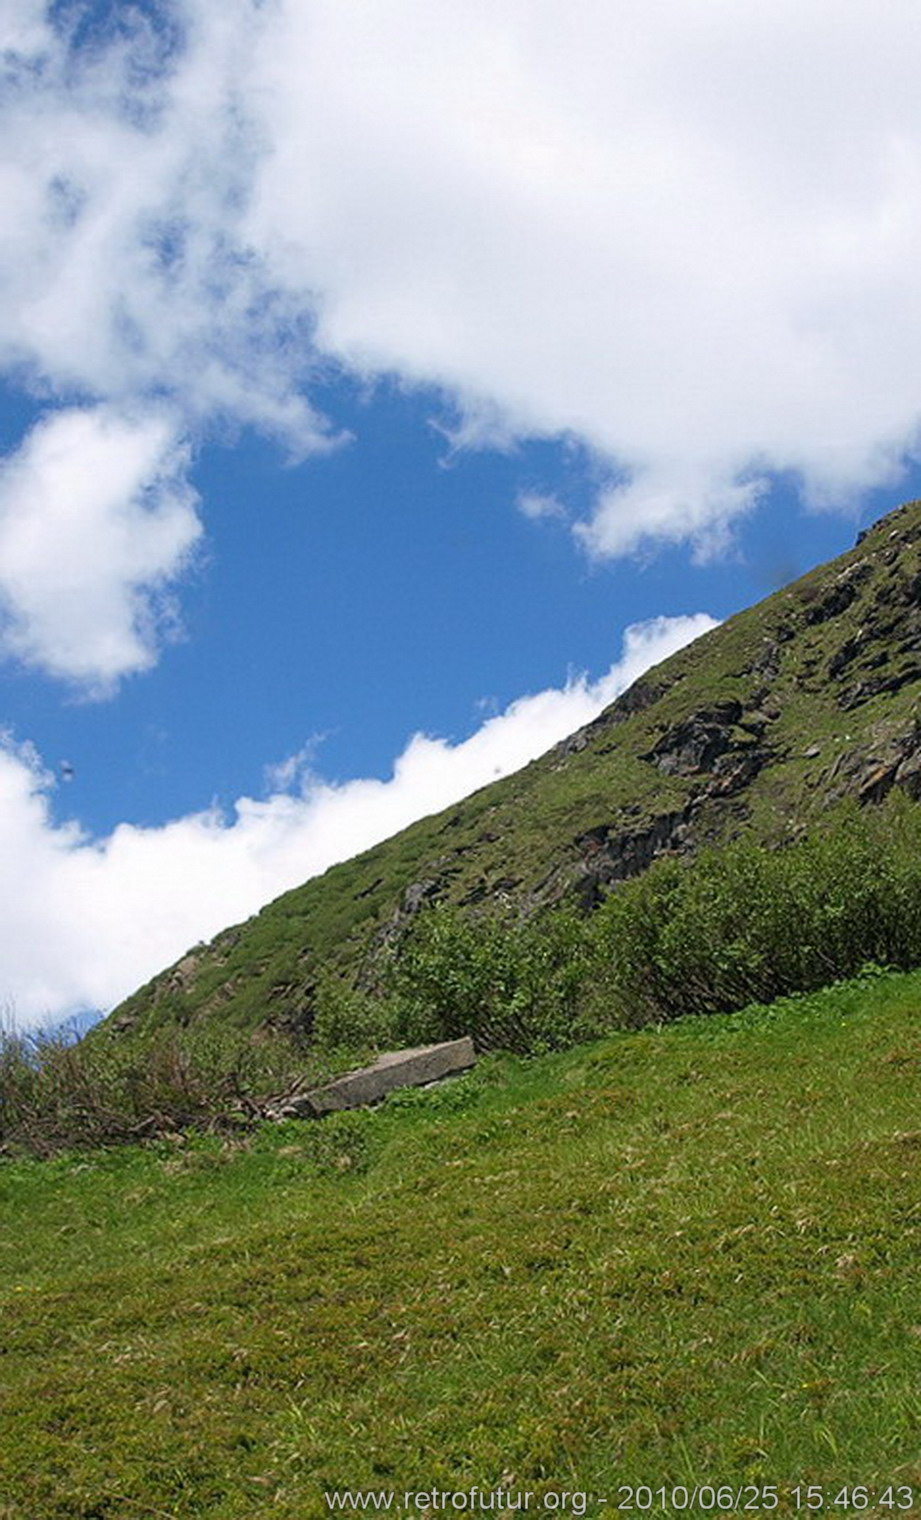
(57, 1094)
(696, 935)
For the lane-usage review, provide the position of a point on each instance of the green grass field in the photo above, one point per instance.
(673, 1258)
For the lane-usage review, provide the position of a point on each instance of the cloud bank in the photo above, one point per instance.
(95, 520)
(686, 236)
(89, 920)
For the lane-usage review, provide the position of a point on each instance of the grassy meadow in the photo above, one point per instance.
(686, 1255)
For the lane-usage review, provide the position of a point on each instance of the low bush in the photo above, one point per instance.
(746, 924)
(513, 984)
(56, 1094)
(702, 934)
(349, 1022)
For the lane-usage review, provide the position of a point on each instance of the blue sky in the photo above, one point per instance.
(341, 605)
(369, 415)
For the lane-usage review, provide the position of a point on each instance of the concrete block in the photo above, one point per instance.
(393, 1069)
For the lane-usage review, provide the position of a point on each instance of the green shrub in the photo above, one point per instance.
(348, 1019)
(746, 924)
(705, 934)
(511, 984)
(56, 1094)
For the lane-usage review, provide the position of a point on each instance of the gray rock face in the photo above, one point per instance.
(609, 854)
(396, 1068)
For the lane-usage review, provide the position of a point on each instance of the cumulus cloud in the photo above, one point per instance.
(95, 520)
(685, 236)
(124, 175)
(88, 920)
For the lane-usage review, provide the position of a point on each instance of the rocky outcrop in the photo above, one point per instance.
(608, 854)
(875, 686)
(414, 898)
(882, 656)
(835, 598)
(871, 776)
(721, 739)
(723, 749)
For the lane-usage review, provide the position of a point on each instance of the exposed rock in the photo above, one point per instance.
(636, 699)
(124, 1023)
(721, 745)
(911, 590)
(415, 896)
(901, 766)
(609, 855)
(694, 745)
(767, 663)
(878, 782)
(706, 741)
(837, 597)
(897, 762)
(733, 772)
(574, 744)
(875, 686)
(843, 657)
(908, 775)
(182, 975)
(394, 1069)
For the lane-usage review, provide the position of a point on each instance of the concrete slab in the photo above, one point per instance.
(393, 1069)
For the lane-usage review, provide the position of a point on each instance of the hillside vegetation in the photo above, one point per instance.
(754, 730)
(676, 1257)
(697, 935)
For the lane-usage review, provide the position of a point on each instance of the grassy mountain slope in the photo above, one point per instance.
(671, 1258)
(758, 726)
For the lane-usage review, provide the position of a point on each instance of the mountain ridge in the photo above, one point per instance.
(756, 727)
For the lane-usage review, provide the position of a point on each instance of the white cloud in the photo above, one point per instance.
(95, 520)
(23, 28)
(538, 506)
(669, 505)
(123, 272)
(87, 921)
(684, 235)
(124, 283)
